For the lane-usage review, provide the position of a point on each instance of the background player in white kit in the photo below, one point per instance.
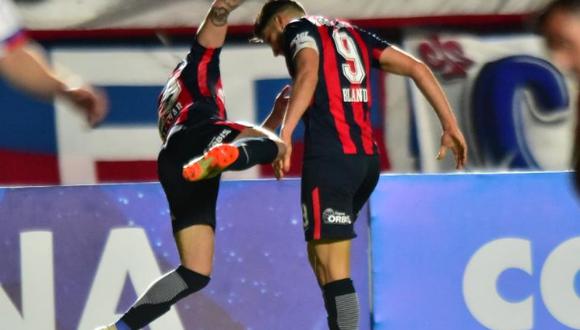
(27, 70)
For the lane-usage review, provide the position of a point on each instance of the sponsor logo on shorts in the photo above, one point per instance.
(304, 215)
(332, 217)
(219, 138)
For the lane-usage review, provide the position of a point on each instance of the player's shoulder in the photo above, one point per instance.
(304, 23)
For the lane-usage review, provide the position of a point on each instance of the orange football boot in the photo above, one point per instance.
(212, 163)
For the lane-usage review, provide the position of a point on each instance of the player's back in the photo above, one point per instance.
(195, 80)
(338, 121)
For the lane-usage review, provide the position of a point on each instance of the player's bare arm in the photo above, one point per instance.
(274, 119)
(399, 62)
(27, 69)
(303, 88)
(213, 29)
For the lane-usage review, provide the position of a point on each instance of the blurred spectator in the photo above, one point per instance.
(27, 69)
(559, 23)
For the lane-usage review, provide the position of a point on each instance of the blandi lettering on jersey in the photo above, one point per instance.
(355, 95)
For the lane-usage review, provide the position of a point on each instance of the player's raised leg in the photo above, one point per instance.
(251, 147)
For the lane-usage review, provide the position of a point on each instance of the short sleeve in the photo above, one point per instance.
(376, 45)
(11, 34)
(299, 34)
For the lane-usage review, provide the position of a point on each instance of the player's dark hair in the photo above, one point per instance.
(568, 6)
(269, 10)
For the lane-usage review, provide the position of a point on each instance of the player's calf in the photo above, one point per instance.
(261, 132)
(254, 151)
(160, 296)
(342, 306)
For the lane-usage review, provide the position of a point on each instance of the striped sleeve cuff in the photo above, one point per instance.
(14, 41)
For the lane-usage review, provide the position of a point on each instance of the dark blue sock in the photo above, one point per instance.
(254, 151)
(341, 304)
(165, 292)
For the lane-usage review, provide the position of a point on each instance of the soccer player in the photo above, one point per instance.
(330, 62)
(559, 22)
(27, 70)
(199, 143)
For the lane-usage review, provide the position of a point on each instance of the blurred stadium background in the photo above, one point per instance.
(516, 108)
(525, 122)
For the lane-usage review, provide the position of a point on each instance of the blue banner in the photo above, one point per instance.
(74, 257)
(476, 252)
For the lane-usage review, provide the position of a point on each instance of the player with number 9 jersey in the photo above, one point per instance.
(341, 165)
(342, 100)
(330, 64)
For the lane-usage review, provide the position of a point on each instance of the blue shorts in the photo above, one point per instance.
(334, 189)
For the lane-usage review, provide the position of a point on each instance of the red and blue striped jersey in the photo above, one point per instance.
(338, 121)
(195, 80)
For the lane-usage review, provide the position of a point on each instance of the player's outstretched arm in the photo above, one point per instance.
(213, 29)
(28, 71)
(397, 61)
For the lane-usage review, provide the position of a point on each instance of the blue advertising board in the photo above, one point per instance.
(476, 251)
(74, 257)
